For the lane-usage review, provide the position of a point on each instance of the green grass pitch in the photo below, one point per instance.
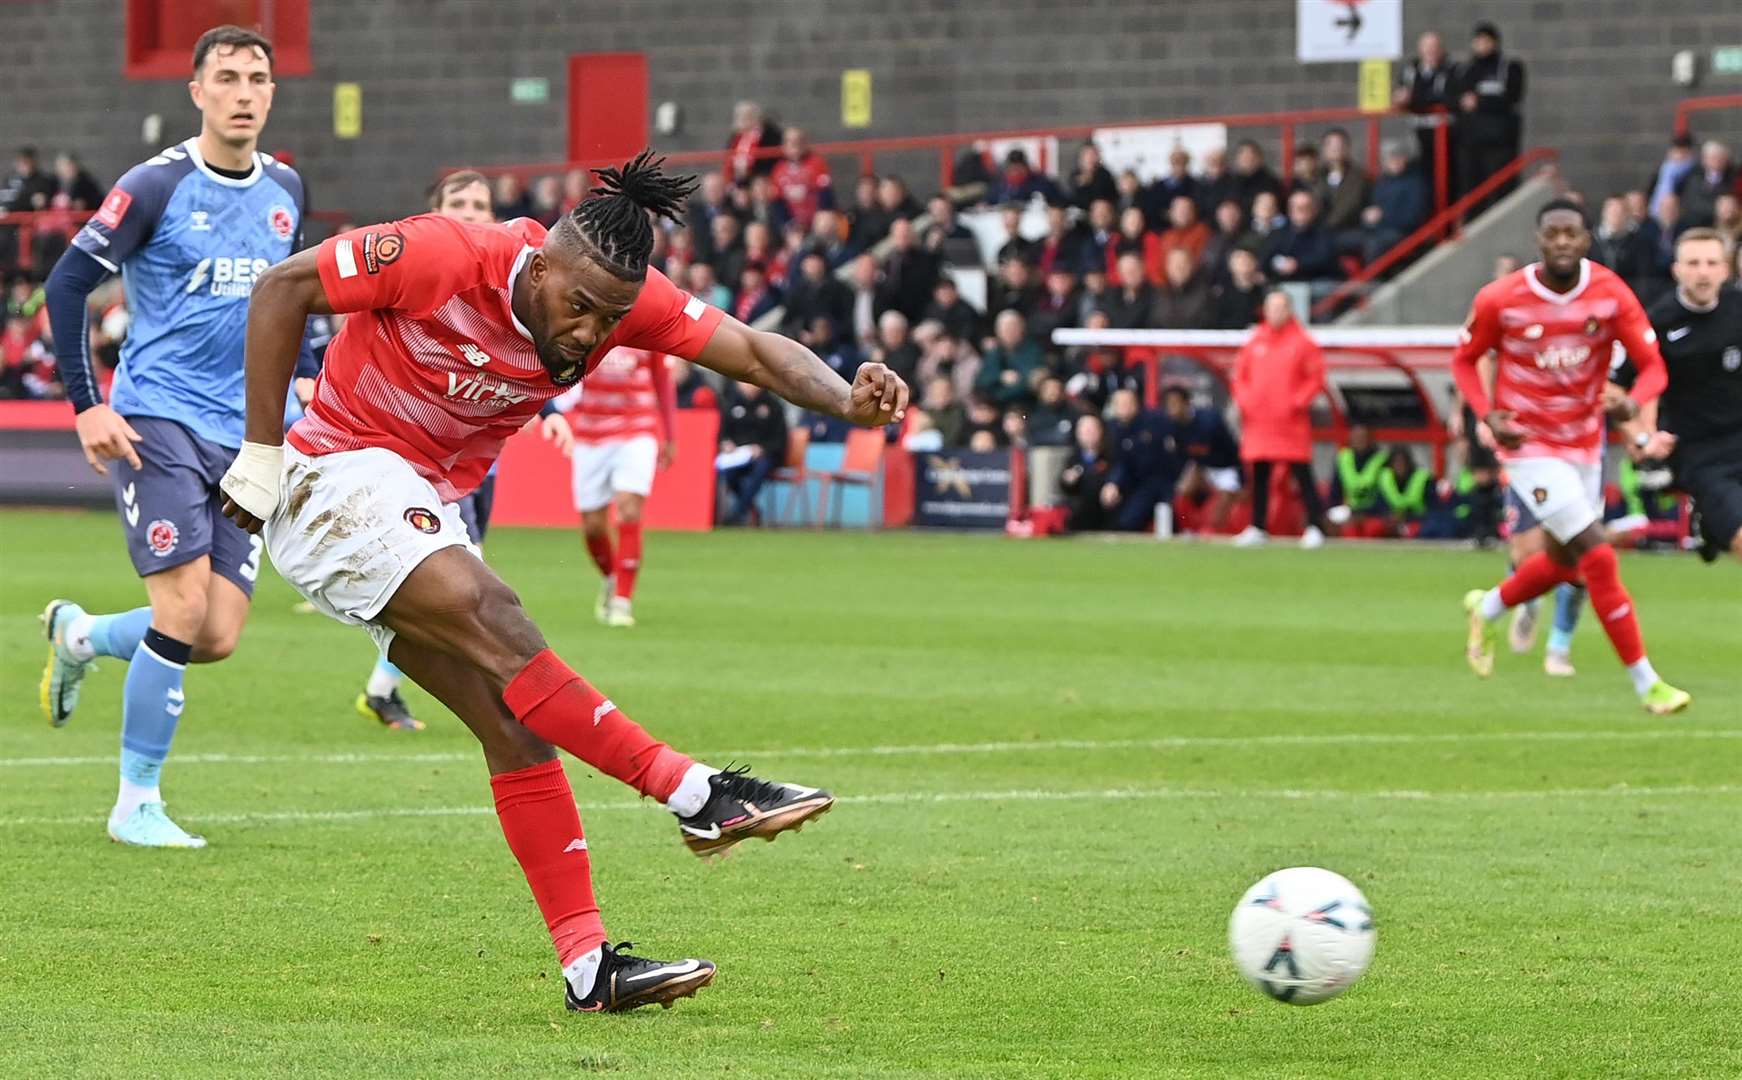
(1059, 763)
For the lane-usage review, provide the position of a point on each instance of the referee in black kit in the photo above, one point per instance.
(1699, 330)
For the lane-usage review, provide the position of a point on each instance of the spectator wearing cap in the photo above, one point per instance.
(1490, 100)
(1135, 238)
(1400, 203)
(751, 132)
(1237, 298)
(1090, 180)
(1428, 87)
(1019, 182)
(1303, 249)
(1678, 161)
(1182, 302)
(1178, 181)
(1184, 231)
(1217, 185)
(1008, 369)
(1344, 189)
(801, 177)
(949, 310)
(1700, 188)
(1251, 175)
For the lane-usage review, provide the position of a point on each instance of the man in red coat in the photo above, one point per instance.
(1277, 375)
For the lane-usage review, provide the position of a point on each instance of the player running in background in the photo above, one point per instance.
(1555, 323)
(624, 421)
(459, 334)
(190, 230)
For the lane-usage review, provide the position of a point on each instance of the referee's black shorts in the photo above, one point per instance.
(1711, 474)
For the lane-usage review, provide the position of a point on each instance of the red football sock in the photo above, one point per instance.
(1610, 601)
(538, 815)
(628, 557)
(599, 547)
(562, 708)
(1534, 576)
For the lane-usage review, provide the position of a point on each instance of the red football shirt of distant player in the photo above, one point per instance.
(1554, 352)
(627, 394)
(433, 365)
(801, 183)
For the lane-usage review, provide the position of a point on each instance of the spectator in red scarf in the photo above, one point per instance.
(1278, 374)
(1019, 182)
(801, 176)
(750, 132)
(756, 297)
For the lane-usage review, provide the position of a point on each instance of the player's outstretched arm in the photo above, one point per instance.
(278, 310)
(783, 367)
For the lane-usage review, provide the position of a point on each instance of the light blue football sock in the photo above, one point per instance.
(151, 706)
(1569, 600)
(118, 635)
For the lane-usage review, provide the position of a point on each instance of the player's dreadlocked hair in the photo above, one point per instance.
(615, 225)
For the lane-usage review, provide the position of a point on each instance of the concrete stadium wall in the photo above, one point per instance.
(435, 74)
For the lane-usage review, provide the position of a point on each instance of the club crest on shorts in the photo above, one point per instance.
(1540, 495)
(424, 521)
(162, 536)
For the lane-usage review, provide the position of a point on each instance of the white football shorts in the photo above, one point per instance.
(1565, 496)
(603, 469)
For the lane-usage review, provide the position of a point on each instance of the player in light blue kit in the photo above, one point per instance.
(189, 230)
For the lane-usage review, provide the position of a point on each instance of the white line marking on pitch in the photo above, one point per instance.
(934, 797)
(1177, 742)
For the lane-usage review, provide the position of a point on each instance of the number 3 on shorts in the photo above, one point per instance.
(251, 568)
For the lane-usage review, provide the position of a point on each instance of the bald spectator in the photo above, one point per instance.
(1008, 369)
(1302, 250)
(1090, 180)
(1183, 300)
(1428, 88)
(1344, 189)
(801, 177)
(1184, 231)
(751, 132)
(1700, 188)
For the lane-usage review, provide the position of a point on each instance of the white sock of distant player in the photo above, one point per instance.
(692, 791)
(1492, 607)
(583, 971)
(384, 680)
(1644, 676)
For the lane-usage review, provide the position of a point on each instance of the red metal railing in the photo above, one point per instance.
(1441, 224)
(1689, 106)
(865, 151)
